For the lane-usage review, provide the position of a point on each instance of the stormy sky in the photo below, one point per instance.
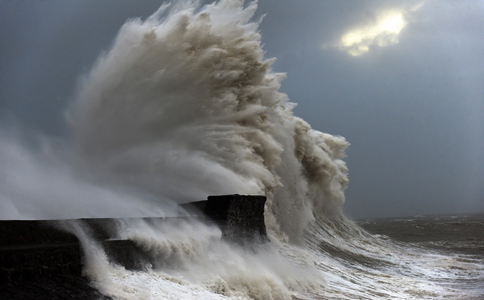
(402, 81)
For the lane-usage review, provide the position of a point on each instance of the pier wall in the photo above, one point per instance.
(33, 250)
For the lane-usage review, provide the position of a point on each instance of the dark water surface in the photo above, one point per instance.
(460, 234)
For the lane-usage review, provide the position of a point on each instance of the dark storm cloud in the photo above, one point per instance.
(412, 110)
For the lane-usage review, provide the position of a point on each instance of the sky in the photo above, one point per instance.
(402, 81)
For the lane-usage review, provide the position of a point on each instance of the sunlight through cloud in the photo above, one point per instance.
(384, 32)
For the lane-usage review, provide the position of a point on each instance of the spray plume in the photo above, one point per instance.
(185, 105)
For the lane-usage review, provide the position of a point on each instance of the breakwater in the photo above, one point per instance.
(41, 251)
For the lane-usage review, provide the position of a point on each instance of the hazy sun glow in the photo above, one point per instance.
(383, 32)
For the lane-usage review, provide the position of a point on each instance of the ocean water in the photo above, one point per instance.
(423, 257)
(460, 237)
(185, 105)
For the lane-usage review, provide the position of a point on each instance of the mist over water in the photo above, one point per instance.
(185, 105)
(39, 181)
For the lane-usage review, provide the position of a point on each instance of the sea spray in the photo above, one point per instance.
(184, 105)
(186, 257)
(38, 181)
(96, 265)
(197, 253)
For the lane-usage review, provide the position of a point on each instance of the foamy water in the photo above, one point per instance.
(339, 260)
(185, 105)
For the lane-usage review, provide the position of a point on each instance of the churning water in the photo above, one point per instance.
(185, 105)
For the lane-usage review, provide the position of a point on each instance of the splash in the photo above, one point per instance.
(185, 105)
